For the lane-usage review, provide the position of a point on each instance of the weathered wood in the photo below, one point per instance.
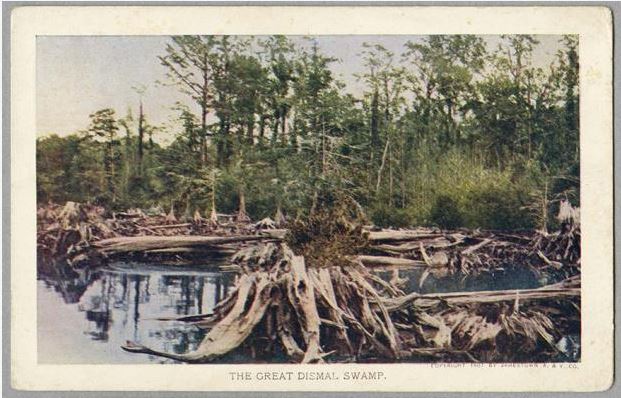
(166, 226)
(385, 325)
(409, 246)
(555, 264)
(322, 282)
(281, 298)
(128, 244)
(371, 261)
(231, 331)
(388, 235)
(486, 296)
(274, 233)
(302, 296)
(285, 333)
(194, 250)
(476, 247)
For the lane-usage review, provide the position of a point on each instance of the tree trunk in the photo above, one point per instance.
(390, 179)
(276, 127)
(262, 129)
(241, 214)
(250, 130)
(205, 97)
(381, 169)
(140, 140)
(283, 126)
(112, 172)
(213, 215)
(323, 149)
(375, 139)
(203, 135)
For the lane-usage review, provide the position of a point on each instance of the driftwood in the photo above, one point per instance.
(69, 231)
(371, 261)
(568, 288)
(129, 244)
(326, 303)
(549, 256)
(81, 235)
(277, 286)
(395, 236)
(348, 311)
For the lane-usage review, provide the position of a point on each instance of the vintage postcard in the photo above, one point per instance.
(312, 198)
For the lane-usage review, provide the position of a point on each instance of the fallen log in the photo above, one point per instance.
(127, 244)
(330, 301)
(476, 247)
(166, 226)
(231, 331)
(486, 296)
(409, 246)
(278, 234)
(406, 235)
(193, 250)
(382, 261)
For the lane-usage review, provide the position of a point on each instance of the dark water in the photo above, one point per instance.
(86, 319)
(437, 281)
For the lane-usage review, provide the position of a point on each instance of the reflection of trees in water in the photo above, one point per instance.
(128, 298)
(70, 284)
(187, 291)
(178, 339)
(98, 309)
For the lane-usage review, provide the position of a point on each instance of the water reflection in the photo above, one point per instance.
(87, 318)
(442, 282)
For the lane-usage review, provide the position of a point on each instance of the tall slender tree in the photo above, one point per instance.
(189, 61)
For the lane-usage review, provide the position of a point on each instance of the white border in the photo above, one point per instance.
(593, 24)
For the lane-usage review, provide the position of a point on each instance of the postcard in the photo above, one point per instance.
(264, 198)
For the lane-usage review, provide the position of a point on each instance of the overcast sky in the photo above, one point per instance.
(77, 75)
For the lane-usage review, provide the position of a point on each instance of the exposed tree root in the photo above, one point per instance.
(310, 312)
(310, 306)
(327, 303)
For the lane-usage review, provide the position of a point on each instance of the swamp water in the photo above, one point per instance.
(86, 319)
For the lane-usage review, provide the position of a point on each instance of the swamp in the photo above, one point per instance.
(314, 200)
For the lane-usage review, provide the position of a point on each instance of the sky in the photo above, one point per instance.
(78, 75)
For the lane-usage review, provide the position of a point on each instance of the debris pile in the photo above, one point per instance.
(313, 299)
(310, 314)
(315, 292)
(551, 257)
(78, 234)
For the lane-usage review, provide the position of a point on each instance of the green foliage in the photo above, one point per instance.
(385, 216)
(451, 134)
(497, 206)
(446, 213)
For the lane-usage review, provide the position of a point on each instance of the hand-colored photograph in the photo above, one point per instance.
(293, 199)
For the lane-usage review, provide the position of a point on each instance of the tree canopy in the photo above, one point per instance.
(450, 132)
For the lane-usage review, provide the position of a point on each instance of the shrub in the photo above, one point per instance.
(498, 207)
(386, 216)
(446, 213)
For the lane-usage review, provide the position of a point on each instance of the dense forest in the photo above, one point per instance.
(449, 133)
